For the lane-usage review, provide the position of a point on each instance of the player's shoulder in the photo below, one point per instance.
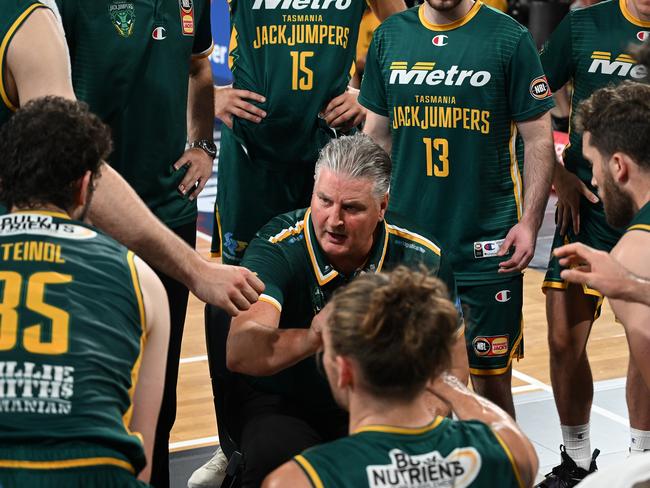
(505, 22)
(404, 233)
(285, 229)
(399, 20)
(602, 8)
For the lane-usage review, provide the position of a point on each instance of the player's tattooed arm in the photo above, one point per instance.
(385, 8)
(468, 405)
(230, 102)
(539, 164)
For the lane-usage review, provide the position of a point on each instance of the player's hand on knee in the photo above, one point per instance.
(344, 112)
(199, 170)
(231, 288)
(569, 188)
(522, 238)
(230, 102)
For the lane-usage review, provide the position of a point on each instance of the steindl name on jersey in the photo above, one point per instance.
(430, 111)
(623, 65)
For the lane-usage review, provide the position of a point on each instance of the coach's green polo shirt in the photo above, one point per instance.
(299, 281)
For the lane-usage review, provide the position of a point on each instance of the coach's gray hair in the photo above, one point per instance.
(357, 157)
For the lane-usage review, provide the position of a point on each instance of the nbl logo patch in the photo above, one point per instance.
(490, 346)
(187, 17)
(539, 88)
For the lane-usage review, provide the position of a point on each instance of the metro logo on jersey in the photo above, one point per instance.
(423, 72)
(440, 40)
(623, 65)
(301, 4)
(643, 35)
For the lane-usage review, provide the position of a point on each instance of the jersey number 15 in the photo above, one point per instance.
(302, 78)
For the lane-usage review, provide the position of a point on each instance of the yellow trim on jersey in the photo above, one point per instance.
(232, 47)
(322, 279)
(49, 213)
(3, 49)
(287, 232)
(205, 53)
(515, 349)
(309, 470)
(66, 463)
(644, 227)
(515, 469)
(514, 169)
(412, 236)
(560, 285)
(390, 429)
(631, 18)
(126, 418)
(218, 254)
(453, 25)
(270, 300)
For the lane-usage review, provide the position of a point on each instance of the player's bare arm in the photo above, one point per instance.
(385, 8)
(633, 252)
(228, 287)
(378, 128)
(257, 347)
(37, 61)
(231, 102)
(470, 406)
(289, 474)
(200, 120)
(151, 377)
(539, 163)
(599, 270)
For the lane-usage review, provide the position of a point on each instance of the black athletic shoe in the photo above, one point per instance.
(568, 473)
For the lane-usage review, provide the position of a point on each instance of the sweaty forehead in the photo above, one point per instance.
(332, 184)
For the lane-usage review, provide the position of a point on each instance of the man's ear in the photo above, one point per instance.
(83, 189)
(620, 165)
(383, 205)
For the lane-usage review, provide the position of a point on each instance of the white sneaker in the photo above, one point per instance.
(211, 474)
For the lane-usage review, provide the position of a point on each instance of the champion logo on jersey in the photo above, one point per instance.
(159, 33)
(643, 35)
(503, 296)
(440, 40)
(187, 17)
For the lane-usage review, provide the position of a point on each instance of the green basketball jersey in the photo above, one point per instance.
(298, 54)
(445, 453)
(70, 345)
(590, 48)
(641, 220)
(299, 281)
(12, 15)
(130, 63)
(452, 95)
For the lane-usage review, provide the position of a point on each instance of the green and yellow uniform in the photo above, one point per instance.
(641, 220)
(589, 48)
(13, 13)
(130, 63)
(298, 54)
(299, 281)
(70, 348)
(457, 158)
(444, 453)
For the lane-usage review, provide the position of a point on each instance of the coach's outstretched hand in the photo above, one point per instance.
(231, 288)
(344, 112)
(230, 102)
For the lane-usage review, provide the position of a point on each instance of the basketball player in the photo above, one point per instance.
(385, 336)
(583, 49)
(85, 322)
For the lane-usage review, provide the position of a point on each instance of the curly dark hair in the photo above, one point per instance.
(618, 119)
(45, 148)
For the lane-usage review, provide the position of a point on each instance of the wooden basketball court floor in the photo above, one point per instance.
(196, 425)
